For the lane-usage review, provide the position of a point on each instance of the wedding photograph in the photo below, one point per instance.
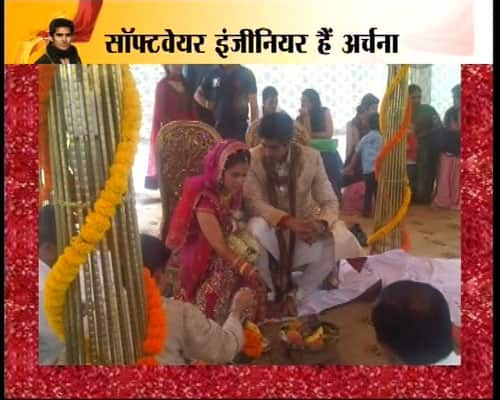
(264, 214)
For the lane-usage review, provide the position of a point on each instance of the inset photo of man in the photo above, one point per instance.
(59, 49)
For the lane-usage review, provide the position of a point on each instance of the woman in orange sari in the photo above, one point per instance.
(216, 254)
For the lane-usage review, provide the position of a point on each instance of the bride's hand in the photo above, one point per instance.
(251, 272)
(248, 270)
(259, 283)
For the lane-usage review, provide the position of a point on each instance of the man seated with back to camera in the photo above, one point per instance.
(413, 325)
(191, 335)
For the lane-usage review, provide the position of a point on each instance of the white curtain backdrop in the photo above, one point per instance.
(340, 87)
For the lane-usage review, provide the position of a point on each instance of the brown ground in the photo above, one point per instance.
(433, 232)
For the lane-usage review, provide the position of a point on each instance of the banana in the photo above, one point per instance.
(316, 337)
(252, 327)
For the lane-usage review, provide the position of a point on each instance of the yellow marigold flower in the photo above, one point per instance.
(74, 257)
(125, 154)
(56, 322)
(131, 127)
(90, 234)
(98, 221)
(118, 171)
(54, 286)
(54, 302)
(60, 279)
(81, 247)
(67, 277)
(111, 197)
(105, 208)
(117, 185)
(63, 262)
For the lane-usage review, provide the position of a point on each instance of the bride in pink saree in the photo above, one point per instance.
(216, 255)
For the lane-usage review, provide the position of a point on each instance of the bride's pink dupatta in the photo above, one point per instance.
(195, 250)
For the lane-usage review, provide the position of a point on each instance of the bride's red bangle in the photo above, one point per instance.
(283, 221)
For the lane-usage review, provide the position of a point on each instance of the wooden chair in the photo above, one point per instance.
(180, 148)
(252, 136)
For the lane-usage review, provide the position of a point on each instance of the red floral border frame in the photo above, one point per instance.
(25, 379)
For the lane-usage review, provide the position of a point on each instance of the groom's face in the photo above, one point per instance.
(275, 151)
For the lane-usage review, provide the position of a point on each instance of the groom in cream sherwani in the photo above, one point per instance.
(294, 214)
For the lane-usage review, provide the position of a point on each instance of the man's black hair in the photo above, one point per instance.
(413, 320)
(61, 23)
(278, 127)
(154, 253)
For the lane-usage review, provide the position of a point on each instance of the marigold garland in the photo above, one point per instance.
(147, 361)
(388, 147)
(156, 328)
(253, 340)
(67, 267)
(384, 108)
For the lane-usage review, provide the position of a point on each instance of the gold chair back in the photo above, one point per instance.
(180, 148)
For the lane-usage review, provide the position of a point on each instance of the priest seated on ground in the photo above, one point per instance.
(412, 323)
(191, 335)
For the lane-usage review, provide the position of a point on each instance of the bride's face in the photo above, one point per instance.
(235, 176)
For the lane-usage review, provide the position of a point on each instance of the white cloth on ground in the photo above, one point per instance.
(389, 267)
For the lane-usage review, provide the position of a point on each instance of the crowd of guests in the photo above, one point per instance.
(259, 229)
(432, 156)
(225, 96)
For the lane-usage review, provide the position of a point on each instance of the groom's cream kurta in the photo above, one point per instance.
(315, 198)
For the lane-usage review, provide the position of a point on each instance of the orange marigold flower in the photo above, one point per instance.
(147, 361)
(253, 344)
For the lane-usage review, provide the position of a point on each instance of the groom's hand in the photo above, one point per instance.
(299, 226)
(316, 229)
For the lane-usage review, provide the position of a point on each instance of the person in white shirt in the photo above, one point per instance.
(50, 347)
(412, 323)
(191, 335)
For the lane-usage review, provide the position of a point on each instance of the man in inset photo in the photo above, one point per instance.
(60, 50)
